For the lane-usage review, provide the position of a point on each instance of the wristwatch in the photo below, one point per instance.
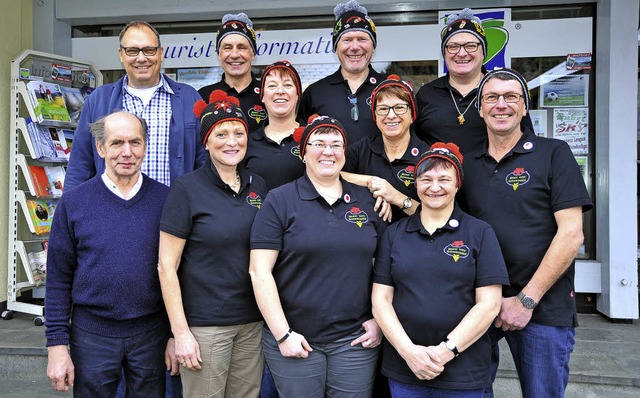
(527, 301)
(407, 203)
(451, 346)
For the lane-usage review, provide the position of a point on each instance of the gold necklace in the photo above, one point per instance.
(236, 183)
(461, 118)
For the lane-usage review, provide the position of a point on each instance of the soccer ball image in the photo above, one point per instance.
(551, 96)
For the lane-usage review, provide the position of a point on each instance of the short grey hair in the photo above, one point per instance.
(98, 130)
(138, 25)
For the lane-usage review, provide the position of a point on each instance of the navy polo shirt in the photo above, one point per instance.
(249, 98)
(518, 196)
(369, 157)
(329, 97)
(276, 163)
(438, 118)
(435, 278)
(324, 266)
(216, 223)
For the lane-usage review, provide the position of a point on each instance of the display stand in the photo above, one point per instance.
(23, 240)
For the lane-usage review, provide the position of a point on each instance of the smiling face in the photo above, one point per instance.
(280, 95)
(322, 162)
(437, 187)
(142, 71)
(355, 50)
(502, 118)
(235, 55)
(123, 147)
(392, 126)
(463, 63)
(227, 144)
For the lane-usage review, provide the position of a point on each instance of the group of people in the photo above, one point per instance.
(249, 223)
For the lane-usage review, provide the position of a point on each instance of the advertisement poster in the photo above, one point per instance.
(579, 61)
(572, 126)
(539, 120)
(582, 164)
(199, 77)
(564, 91)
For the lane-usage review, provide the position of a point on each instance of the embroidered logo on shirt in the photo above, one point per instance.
(254, 199)
(295, 151)
(356, 216)
(406, 175)
(518, 177)
(258, 113)
(457, 250)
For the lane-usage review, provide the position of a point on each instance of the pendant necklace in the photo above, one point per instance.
(461, 118)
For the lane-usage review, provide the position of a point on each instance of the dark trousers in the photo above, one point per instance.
(100, 362)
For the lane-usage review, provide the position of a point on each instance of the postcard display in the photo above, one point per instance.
(47, 93)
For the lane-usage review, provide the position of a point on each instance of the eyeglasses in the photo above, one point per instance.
(398, 109)
(469, 47)
(510, 98)
(353, 100)
(134, 51)
(334, 146)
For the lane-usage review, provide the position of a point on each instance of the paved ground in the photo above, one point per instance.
(605, 363)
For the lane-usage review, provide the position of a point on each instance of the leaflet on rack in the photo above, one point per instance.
(47, 103)
(41, 213)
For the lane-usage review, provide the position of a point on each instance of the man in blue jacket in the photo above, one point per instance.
(173, 148)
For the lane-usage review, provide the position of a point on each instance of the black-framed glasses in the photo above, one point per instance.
(334, 146)
(134, 51)
(353, 100)
(492, 98)
(470, 47)
(398, 109)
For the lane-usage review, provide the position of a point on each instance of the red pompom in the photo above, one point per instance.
(297, 134)
(219, 95)
(393, 77)
(451, 147)
(312, 118)
(198, 107)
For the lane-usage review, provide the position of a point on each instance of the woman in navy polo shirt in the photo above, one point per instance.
(312, 245)
(204, 258)
(437, 288)
(384, 163)
(272, 153)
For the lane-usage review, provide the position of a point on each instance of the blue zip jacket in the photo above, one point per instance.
(186, 152)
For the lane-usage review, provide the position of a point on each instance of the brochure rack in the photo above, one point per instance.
(48, 68)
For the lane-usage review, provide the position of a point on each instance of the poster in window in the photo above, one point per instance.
(539, 120)
(564, 91)
(572, 126)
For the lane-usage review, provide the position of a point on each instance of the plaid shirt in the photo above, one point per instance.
(157, 114)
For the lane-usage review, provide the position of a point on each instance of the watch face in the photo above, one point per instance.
(528, 302)
(449, 344)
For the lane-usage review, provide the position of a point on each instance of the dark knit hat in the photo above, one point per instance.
(505, 74)
(221, 108)
(465, 22)
(352, 16)
(449, 152)
(286, 65)
(394, 81)
(238, 24)
(301, 134)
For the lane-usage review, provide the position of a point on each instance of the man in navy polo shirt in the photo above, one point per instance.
(236, 48)
(346, 94)
(531, 191)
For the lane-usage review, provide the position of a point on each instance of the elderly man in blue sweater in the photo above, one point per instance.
(105, 313)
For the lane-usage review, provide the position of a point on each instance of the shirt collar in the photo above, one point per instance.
(415, 224)
(373, 78)
(254, 83)
(164, 85)
(245, 178)
(114, 188)
(307, 191)
(527, 143)
(410, 154)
